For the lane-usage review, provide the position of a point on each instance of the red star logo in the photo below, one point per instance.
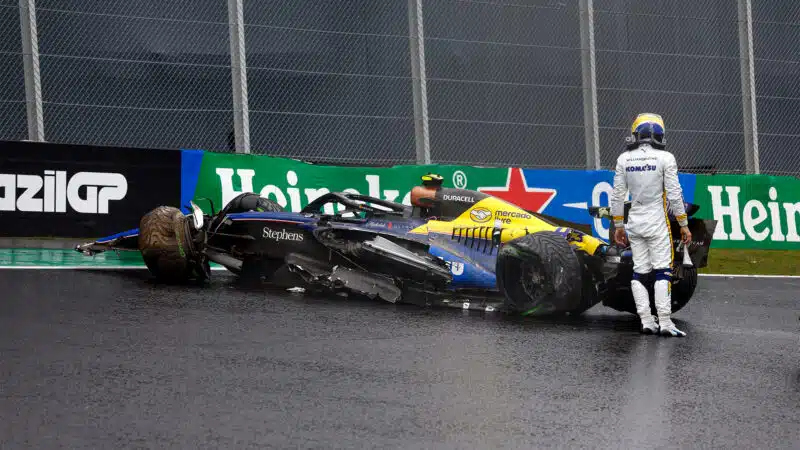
(516, 191)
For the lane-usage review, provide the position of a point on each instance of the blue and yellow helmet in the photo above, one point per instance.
(647, 128)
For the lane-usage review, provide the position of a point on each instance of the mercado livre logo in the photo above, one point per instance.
(480, 214)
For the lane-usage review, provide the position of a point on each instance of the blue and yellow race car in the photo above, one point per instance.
(450, 247)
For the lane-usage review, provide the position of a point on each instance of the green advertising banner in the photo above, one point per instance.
(754, 211)
(294, 184)
(561, 194)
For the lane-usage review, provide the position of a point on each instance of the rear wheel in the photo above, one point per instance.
(683, 290)
(166, 245)
(540, 273)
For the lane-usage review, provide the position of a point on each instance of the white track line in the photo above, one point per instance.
(724, 275)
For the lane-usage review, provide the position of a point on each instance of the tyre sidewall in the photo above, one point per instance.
(550, 256)
(165, 246)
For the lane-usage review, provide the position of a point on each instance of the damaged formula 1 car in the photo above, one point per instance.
(450, 247)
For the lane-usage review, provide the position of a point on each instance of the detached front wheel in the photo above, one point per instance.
(165, 241)
(540, 274)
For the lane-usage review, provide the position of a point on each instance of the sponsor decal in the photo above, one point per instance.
(644, 168)
(460, 179)
(379, 224)
(79, 191)
(516, 191)
(459, 198)
(282, 235)
(480, 215)
(752, 211)
(752, 219)
(456, 268)
(507, 216)
(294, 196)
(570, 235)
(84, 192)
(693, 244)
(294, 184)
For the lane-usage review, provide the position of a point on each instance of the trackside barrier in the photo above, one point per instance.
(58, 190)
(81, 191)
(755, 211)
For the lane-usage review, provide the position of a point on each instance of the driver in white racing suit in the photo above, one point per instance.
(650, 174)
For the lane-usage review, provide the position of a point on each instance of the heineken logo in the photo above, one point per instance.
(293, 196)
(740, 220)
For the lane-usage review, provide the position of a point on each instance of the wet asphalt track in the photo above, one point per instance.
(109, 360)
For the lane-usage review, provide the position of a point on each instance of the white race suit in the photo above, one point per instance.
(651, 177)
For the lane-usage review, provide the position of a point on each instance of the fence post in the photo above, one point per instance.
(417, 47)
(748, 75)
(589, 76)
(241, 116)
(30, 59)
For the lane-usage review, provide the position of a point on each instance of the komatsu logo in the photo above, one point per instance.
(85, 192)
(644, 168)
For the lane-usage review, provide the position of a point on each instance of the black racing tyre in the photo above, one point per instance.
(540, 273)
(683, 290)
(166, 246)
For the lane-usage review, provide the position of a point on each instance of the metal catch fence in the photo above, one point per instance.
(535, 83)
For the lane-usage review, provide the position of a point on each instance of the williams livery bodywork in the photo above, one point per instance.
(451, 247)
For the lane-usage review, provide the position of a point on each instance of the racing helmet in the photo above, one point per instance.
(647, 128)
(432, 180)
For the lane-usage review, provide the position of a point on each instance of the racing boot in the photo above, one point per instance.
(642, 300)
(663, 301)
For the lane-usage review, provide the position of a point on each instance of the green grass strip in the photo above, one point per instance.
(753, 262)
